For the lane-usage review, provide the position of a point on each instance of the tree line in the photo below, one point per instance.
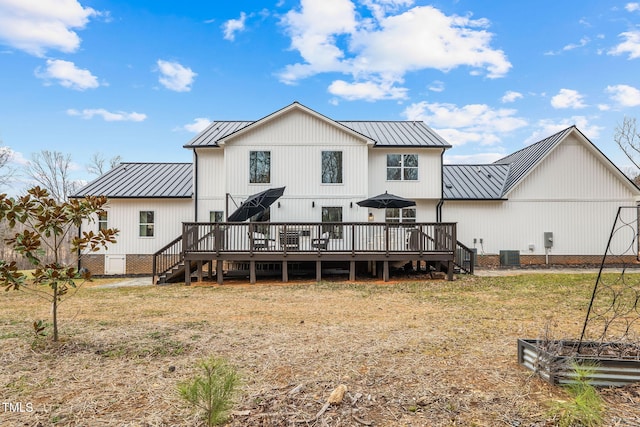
(52, 171)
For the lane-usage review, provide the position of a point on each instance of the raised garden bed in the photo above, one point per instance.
(612, 364)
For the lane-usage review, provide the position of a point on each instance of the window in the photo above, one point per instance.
(402, 167)
(146, 223)
(400, 215)
(216, 216)
(332, 167)
(332, 215)
(260, 167)
(102, 221)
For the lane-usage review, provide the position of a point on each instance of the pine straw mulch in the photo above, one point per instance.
(410, 353)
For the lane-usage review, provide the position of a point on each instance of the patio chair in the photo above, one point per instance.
(260, 241)
(321, 243)
(290, 240)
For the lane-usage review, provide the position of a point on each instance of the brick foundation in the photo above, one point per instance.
(136, 265)
(493, 261)
(93, 263)
(139, 264)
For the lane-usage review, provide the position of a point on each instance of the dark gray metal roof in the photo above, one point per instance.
(525, 160)
(383, 133)
(398, 133)
(474, 182)
(142, 180)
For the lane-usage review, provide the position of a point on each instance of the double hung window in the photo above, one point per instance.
(147, 223)
(402, 167)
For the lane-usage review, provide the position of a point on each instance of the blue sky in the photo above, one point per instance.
(139, 79)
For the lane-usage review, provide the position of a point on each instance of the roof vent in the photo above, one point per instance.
(448, 185)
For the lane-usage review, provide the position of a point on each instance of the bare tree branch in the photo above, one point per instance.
(97, 162)
(628, 139)
(51, 170)
(6, 172)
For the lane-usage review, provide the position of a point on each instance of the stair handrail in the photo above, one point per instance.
(168, 257)
(470, 255)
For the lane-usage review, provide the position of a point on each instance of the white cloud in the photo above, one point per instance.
(582, 43)
(175, 76)
(631, 45)
(474, 123)
(632, 7)
(68, 75)
(624, 95)
(472, 159)
(510, 96)
(368, 91)
(37, 26)
(331, 37)
(198, 125)
(108, 116)
(233, 26)
(436, 86)
(548, 127)
(568, 98)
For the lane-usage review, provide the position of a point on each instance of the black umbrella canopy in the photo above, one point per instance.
(386, 200)
(256, 204)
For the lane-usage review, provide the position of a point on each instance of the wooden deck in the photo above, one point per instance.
(377, 243)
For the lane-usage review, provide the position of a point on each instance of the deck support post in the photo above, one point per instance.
(285, 271)
(450, 270)
(187, 272)
(252, 271)
(210, 271)
(318, 270)
(385, 271)
(219, 278)
(374, 268)
(352, 270)
(199, 271)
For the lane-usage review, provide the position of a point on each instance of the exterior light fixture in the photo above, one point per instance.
(371, 216)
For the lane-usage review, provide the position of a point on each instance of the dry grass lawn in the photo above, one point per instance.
(411, 353)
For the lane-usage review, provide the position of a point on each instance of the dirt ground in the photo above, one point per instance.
(411, 352)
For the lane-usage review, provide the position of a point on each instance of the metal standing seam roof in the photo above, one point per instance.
(474, 182)
(524, 160)
(384, 133)
(142, 180)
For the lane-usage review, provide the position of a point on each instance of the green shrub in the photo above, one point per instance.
(212, 392)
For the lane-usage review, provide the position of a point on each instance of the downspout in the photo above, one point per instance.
(195, 186)
(441, 202)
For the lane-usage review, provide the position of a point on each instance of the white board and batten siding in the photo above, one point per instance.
(572, 193)
(296, 142)
(211, 181)
(124, 214)
(428, 185)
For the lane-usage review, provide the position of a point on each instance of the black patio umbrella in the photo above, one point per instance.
(386, 200)
(256, 204)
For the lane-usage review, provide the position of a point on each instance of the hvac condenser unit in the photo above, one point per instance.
(510, 258)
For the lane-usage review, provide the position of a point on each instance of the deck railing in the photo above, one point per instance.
(319, 237)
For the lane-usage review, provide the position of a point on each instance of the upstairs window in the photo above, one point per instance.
(146, 223)
(402, 167)
(260, 167)
(332, 167)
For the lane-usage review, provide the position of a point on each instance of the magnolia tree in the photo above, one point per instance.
(50, 224)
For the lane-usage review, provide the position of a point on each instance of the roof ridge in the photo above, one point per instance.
(528, 147)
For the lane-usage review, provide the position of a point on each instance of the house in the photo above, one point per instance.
(554, 202)
(562, 189)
